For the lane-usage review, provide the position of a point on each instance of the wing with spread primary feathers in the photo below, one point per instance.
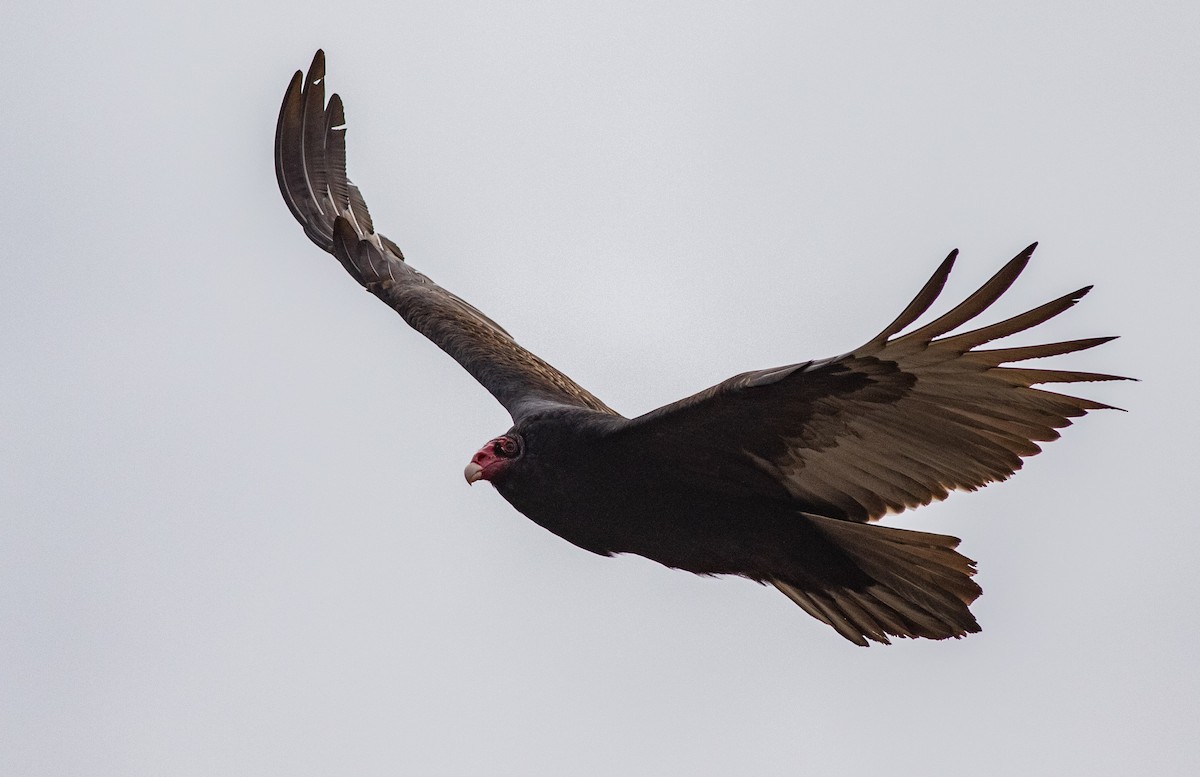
(310, 164)
(896, 423)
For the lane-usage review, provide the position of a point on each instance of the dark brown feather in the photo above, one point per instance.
(898, 422)
(310, 165)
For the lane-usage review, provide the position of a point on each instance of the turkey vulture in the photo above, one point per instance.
(773, 475)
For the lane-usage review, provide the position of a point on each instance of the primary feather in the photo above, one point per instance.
(772, 475)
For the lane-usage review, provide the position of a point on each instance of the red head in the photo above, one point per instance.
(493, 459)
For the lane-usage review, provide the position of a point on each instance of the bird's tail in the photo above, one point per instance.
(907, 584)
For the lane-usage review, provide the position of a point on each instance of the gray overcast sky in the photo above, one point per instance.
(234, 534)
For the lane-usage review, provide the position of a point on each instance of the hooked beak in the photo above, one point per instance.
(473, 472)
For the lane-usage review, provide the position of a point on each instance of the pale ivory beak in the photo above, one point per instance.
(472, 473)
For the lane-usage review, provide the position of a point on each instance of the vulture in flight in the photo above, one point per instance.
(775, 475)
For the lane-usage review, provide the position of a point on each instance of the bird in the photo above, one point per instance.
(776, 475)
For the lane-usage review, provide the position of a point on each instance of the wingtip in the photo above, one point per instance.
(1024, 256)
(291, 97)
(292, 94)
(1013, 268)
(316, 70)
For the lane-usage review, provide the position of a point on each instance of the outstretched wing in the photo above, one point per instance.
(310, 164)
(894, 424)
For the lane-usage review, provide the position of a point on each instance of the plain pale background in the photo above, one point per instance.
(234, 534)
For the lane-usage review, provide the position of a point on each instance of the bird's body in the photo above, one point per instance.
(773, 475)
(607, 497)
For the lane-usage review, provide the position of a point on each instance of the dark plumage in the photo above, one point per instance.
(772, 475)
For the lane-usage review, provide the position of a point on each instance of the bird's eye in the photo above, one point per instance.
(507, 447)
